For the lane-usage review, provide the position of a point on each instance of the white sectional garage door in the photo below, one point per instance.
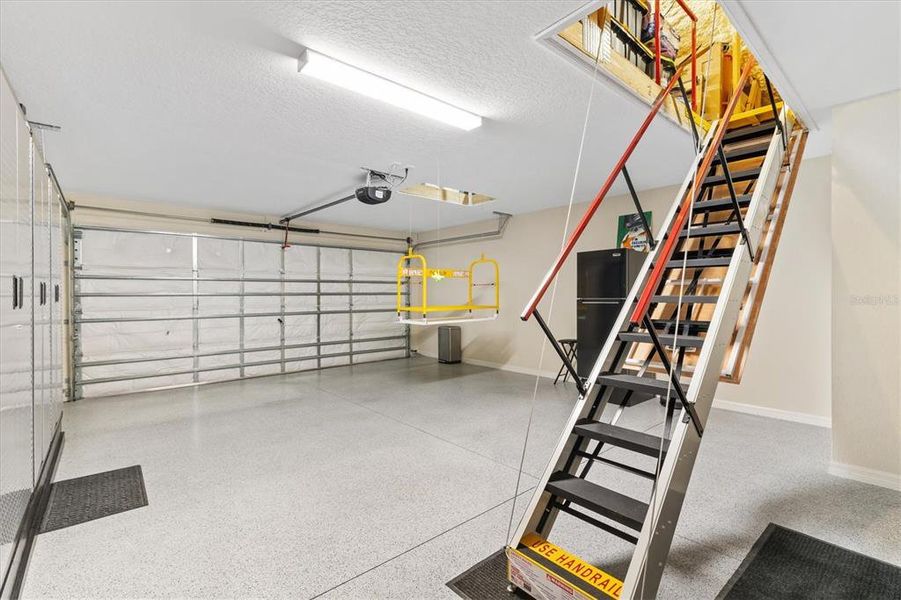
(159, 309)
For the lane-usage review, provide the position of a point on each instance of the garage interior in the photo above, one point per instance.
(407, 300)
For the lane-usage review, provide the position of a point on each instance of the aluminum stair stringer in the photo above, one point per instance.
(759, 208)
(538, 501)
(669, 493)
(649, 560)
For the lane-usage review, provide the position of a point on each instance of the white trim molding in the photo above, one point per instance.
(493, 365)
(884, 479)
(774, 413)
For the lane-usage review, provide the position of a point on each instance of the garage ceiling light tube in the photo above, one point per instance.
(328, 69)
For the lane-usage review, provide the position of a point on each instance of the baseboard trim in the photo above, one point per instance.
(884, 479)
(493, 365)
(774, 413)
(31, 521)
(750, 409)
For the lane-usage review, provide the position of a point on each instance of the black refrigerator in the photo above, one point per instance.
(604, 280)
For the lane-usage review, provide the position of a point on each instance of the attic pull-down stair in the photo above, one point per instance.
(686, 300)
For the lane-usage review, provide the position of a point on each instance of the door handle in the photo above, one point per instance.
(21, 292)
(15, 292)
(56, 293)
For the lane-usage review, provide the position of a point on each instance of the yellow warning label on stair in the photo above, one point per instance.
(572, 578)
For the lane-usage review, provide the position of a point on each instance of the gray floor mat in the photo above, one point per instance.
(787, 564)
(486, 580)
(74, 501)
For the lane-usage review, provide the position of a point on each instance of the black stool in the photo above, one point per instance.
(571, 349)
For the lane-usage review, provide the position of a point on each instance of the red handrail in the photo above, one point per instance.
(577, 232)
(694, 48)
(665, 252)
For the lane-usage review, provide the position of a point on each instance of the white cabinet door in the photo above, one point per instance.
(55, 304)
(16, 462)
(41, 199)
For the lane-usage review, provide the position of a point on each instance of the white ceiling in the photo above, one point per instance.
(201, 103)
(825, 53)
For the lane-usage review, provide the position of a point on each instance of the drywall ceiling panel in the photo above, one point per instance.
(200, 103)
(830, 53)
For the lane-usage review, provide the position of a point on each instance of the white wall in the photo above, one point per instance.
(866, 315)
(528, 247)
(788, 365)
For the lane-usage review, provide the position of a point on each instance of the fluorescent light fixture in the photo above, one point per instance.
(446, 194)
(338, 73)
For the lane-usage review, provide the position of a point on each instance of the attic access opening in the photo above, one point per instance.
(430, 191)
(618, 39)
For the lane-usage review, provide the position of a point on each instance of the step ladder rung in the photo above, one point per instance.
(691, 299)
(683, 323)
(644, 385)
(615, 506)
(721, 203)
(703, 253)
(667, 339)
(738, 176)
(698, 230)
(755, 150)
(699, 263)
(618, 465)
(748, 133)
(621, 437)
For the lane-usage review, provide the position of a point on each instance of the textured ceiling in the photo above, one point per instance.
(201, 103)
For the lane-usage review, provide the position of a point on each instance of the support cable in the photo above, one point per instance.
(572, 194)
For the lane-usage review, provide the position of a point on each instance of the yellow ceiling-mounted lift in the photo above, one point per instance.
(408, 272)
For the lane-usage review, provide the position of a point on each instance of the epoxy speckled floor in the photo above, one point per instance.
(385, 480)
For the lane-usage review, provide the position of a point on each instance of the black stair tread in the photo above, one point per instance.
(721, 203)
(667, 339)
(692, 325)
(607, 503)
(645, 385)
(699, 263)
(704, 252)
(748, 133)
(691, 299)
(737, 176)
(628, 398)
(698, 230)
(628, 439)
(754, 150)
